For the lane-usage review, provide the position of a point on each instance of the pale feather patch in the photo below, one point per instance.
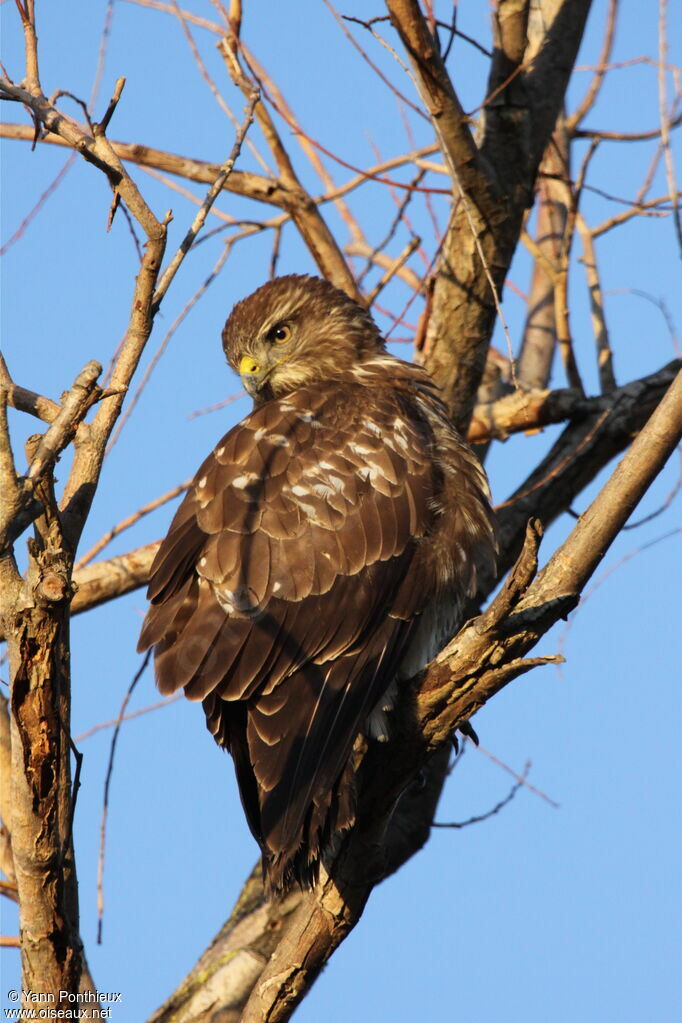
(245, 480)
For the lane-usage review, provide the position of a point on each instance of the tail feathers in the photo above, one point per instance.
(299, 865)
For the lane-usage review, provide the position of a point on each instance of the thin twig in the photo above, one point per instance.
(129, 521)
(103, 725)
(365, 56)
(649, 208)
(105, 801)
(521, 779)
(607, 379)
(185, 18)
(211, 196)
(218, 405)
(392, 270)
(665, 132)
(573, 122)
(479, 818)
(166, 340)
(27, 401)
(40, 202)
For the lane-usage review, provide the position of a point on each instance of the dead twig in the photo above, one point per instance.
(665, 128)
(105, 801)
(479, 818)
(211, 196)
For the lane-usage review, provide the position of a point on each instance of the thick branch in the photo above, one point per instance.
(480, 242)
(440, 99)
(555, 30)
(27, 401)
(524, 410)
(579, 454)
(225, 975)
(22, 507)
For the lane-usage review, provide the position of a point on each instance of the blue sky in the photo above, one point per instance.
(537, 914)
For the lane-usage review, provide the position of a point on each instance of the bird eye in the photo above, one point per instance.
(281, 333)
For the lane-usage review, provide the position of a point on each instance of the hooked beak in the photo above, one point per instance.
(252, 375)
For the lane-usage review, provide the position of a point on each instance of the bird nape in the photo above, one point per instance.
(320, 558)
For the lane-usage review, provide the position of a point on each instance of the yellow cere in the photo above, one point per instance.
(248, 365)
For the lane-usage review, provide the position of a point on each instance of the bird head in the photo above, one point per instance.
(294, 331)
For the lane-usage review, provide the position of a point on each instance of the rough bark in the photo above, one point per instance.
(492, 184)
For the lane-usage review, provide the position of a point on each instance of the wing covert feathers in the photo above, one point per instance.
(309, 553)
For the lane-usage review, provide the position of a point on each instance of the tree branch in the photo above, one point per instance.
(251, 186)
(300, 205)
(482, 235)
(440, 99)
(539, 333)
(27, 401)
(579, 454)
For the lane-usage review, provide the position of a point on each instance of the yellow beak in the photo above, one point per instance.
(248, 366)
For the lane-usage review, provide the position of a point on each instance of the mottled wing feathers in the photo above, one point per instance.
(287, 562)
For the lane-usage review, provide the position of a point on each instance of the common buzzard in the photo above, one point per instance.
(320, 556)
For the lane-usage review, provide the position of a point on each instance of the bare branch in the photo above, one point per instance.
(483, 234)
(302, 208)
(153, 362)
(573, 564)
(377, 70)
(252, 186)
(480, 817)
(16, 501)
(27, 401)
(75, 406)
(105, 802)
(275, 93)
(22, 507)
(637, 209)
(665, 127)
(590, 98)
(104, 580)
(439, 97)
(524, 410)
(394, 268)
(185, 18)
(381, 259)
(581, 451)
(129, 521)
(211, 196)
(539, 333)
(607, 378)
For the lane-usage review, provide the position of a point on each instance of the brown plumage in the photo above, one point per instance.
(320, 556)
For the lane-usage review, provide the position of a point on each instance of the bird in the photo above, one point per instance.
(320, 558)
